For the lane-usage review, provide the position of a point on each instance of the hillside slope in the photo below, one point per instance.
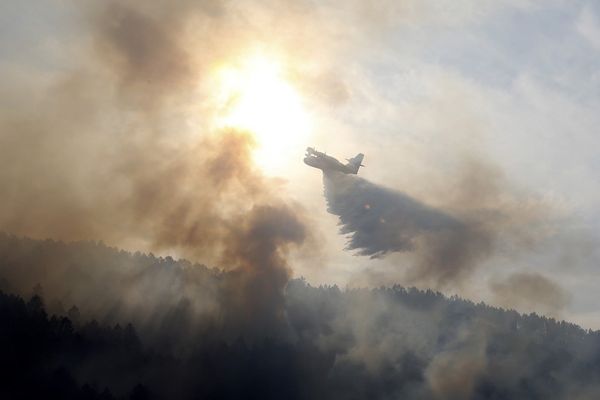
(104, 323)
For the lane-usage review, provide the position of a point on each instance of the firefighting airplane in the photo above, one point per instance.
(322, 161)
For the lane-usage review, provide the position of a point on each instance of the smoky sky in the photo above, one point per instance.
(118, 146)
(105, 149)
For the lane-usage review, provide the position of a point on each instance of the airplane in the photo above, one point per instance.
(322, 161)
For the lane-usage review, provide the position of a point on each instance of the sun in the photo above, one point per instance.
(254, 95)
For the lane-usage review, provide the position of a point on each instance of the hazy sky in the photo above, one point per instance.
(464, 105)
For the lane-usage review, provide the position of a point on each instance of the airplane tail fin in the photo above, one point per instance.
(356, 162)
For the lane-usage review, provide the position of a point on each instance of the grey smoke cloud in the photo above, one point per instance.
(104, 151)
(528, 291)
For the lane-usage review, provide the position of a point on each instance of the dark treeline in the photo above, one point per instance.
(332, 344)
(53, 358)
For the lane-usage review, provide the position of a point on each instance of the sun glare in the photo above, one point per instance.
(255, 96)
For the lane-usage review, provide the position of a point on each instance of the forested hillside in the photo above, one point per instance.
(83, 320)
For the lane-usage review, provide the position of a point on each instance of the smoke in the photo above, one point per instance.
(477, 214)
(120, 147)
(454, 371)
(117, 144)
(259, 248)
(528, 291)
(379, 221)
(384, 343)
(111, 149)
(172, 302)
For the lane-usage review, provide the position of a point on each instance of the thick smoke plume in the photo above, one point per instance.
(120, 147)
